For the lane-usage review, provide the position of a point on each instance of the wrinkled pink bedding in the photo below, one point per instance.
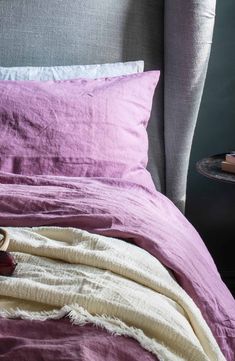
(49, 340)
(126, 210)
(77, 127)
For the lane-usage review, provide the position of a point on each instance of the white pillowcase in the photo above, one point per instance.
(71, 71)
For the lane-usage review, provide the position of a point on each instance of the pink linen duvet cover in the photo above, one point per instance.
(74, 154)
(51, 340)
(125, 210)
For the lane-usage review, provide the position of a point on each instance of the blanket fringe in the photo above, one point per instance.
(79, 316)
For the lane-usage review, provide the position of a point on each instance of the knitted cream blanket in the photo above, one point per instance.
(107, 282)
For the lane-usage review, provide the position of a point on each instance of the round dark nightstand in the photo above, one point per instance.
(211, 167)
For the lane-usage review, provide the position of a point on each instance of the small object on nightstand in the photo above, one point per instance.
(228, 165)
(211, 167)
(230, 157)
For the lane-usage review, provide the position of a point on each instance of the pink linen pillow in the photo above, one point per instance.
(79, 128)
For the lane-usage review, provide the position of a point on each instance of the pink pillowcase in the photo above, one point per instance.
(80, 128)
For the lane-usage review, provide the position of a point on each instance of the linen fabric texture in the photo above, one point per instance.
(121, 209)
(187, 44)
(172, 36)
(89, 32)
(93, 71)
(108, 282)
(42, 341)
(89, 128)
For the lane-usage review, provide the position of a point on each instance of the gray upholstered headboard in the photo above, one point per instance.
(173, 36)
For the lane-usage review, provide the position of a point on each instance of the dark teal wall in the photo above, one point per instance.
(211, 204)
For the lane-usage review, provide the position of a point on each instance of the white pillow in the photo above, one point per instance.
(71, 71)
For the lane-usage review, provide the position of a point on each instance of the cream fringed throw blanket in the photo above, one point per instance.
(107, 282)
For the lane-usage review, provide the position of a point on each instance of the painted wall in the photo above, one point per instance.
(211, 204)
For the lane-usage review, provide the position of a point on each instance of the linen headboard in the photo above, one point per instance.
(173, 36)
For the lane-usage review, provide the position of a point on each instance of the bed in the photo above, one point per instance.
(108, 267)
